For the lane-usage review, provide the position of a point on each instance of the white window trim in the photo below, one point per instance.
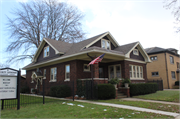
(136, 51)
(135, 78)
(53, 80)
(67, 79)
(106, 44)
(115, 70)
(46, 52)
(155, 75)
(86, 70)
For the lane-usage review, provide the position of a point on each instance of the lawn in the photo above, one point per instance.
(149, 105)
(170, 96)
(70, 109)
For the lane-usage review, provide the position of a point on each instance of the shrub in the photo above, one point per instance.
(123, 81)
(114, 81)
(60, 91)
(34, 90)
(106, 91)
(24, 89)
(143, 88)
(177, 83)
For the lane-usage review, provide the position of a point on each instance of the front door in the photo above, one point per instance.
(101, 72)
(115, 71)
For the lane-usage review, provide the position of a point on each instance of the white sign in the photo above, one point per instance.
(8, 87)
(8, 72)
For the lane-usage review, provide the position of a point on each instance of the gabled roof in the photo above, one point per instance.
(125, 48)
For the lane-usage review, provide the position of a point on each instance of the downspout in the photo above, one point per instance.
(166, 70)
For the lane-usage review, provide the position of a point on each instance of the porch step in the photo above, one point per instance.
(121, 95)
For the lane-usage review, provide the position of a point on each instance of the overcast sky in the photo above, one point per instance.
(128, 21)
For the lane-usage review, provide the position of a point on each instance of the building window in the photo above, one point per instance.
(46, 51)
(105, 44)
(115, 71)
(136, 72)
(53, 77)
(135, 52)
(154, 58)
(171, 60)
(178, 65)
(44, 73)
(67, 73)
(173, 75)
(155, 73)
(86, 68)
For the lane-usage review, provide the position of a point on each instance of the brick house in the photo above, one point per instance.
(56, 61)
(165, 65)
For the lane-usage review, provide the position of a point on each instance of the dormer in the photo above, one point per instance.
(106, 44)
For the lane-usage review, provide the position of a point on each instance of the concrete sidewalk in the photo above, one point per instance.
(154, 101)
(176, 115)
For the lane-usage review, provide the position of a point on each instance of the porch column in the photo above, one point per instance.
(96, 70)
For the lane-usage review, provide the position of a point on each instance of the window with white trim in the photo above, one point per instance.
(44, 73)
(135, 52)
(115, 71)
(135, 72)
(173, 75)
(53, 76)
(105, 44)
(86, 68)
(46, 51)
(67, 72)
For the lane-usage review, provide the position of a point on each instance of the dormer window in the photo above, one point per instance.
(105, 44)
(46, 51)
(135, 52)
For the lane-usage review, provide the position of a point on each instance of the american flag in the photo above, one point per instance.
(98, 59)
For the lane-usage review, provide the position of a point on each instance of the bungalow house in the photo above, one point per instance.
(165, 65)
(56, 61)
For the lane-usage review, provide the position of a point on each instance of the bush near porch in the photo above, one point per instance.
(106, 91)
(143, 88)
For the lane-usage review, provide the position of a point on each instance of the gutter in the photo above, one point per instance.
(166, 70)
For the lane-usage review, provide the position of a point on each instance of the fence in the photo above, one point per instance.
(45, 93)
(158, 81)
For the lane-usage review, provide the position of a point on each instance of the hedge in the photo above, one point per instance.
(143, 88)
(60, 91)
(177, 83)
(24, 89)
(106, 91)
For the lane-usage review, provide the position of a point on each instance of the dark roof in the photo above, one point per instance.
(125, 48)
(155, 50)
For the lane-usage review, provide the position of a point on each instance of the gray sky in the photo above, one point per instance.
(128, 21)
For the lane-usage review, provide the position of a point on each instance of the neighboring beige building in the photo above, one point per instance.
(165, 65)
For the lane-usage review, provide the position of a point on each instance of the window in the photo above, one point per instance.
(135, 52)
(171, 60)
(153, 58)
(46, 51)
(67, 73)
(105, 44)
(173, 75)
(155, 73)
(53, 77)
(135, 72)
(178, 65)
(115, 71)
(44, 74)
(86, 68)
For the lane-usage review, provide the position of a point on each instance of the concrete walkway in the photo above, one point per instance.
(176, 115)
(144, 100)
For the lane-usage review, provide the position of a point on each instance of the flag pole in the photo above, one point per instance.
(92, 76)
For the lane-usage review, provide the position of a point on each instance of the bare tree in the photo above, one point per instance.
(175, 6)
(4, 65)
(38, 19)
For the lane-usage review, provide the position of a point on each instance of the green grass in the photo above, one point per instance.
(170, 96)
(149, 105)
(59, 110)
